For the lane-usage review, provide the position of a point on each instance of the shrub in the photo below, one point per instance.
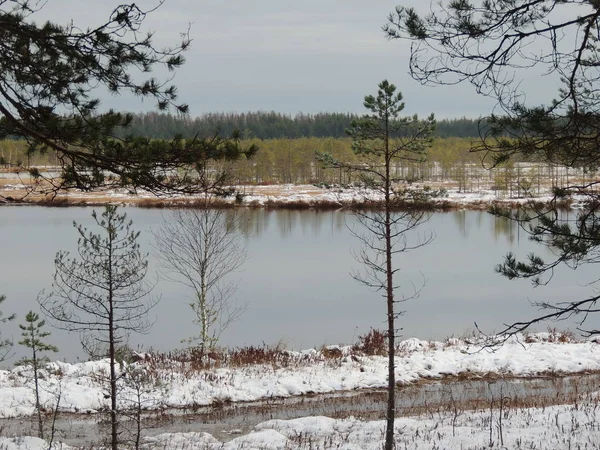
(372, 343)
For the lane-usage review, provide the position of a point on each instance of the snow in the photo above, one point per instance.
(83, 386)
(28, 443)
(282, 194)
(549, 428)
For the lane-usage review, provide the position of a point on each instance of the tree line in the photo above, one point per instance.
(269, 125)
(295, 161)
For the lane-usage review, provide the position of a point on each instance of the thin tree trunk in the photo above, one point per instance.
(111, 350)
(138, 417)
(37, 390)
(113, 384)
(203, 288)
(391, 404)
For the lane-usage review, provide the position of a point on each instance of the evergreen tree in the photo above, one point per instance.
(102, 293)
(489, 45)
(270, 125)
(5, 344)
(32, 338)
(48, 77)
(379, 140)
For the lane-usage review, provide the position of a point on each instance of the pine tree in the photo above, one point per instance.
(379, 140)
(49, 78)
(5, 344)
(102, 293)
(32, 338)
(494, 45)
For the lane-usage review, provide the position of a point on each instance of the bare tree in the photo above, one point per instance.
(200, 248)
(380, 140)
(102, 293)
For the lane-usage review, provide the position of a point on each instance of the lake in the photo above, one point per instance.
(296, 281)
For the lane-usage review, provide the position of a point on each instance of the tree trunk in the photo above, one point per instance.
(113, 384)
(111, 351)
(203, 287)
(37, 388)
(391, 403)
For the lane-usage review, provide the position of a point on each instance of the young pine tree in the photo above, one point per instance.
(102, 294)
(5, 344)
(33, 334)
(381, 140)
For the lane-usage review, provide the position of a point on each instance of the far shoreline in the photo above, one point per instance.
(282, 197)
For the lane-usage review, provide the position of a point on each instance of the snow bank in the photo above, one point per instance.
(550, 428)
(83, 386)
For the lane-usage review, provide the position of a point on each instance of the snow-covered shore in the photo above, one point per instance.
(284, 195)
(550, 428)
(312, 195)
(171, 384)
(553, 428)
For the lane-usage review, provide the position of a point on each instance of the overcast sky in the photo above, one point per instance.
(286, 56)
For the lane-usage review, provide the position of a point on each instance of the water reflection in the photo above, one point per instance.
(467, 221)
(296, 281)
(504, 227)
(255, 222)
(461, 222)
(310, 222)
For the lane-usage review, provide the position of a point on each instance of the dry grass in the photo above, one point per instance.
(182, 203)
(373, 343)
(189, 362)
(446, 403)
(17, 189)
(554, 336)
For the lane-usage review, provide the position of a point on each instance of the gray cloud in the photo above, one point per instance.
(287, 56)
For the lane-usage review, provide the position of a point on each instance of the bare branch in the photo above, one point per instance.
(200, 248)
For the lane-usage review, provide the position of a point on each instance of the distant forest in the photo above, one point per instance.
(270, 125)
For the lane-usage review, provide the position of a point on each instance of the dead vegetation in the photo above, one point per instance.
(449, 396)
(20, 190)
(194, 362)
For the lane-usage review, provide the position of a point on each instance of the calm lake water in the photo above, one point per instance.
(296, 282)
